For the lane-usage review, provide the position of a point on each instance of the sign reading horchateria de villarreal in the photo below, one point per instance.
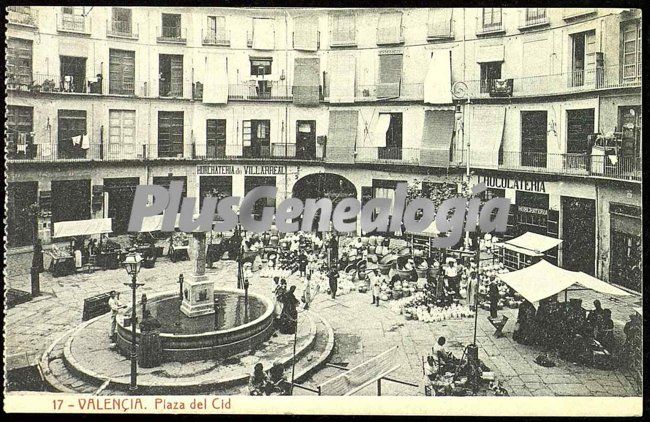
(507, 183)
(229, 170)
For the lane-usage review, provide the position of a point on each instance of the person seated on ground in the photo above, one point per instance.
(257, 381)
(606, 332)
(446, 360)
(277, 383)
(595, 319)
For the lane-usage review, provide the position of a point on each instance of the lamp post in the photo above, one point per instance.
(132, 264)
(245, 300)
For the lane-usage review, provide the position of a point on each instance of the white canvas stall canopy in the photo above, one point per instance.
(83, 227)
(154, 223)
(543, 280)
(531, 244)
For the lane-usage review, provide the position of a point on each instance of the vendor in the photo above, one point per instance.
(595, 319)
(494, 296)
(446, 360)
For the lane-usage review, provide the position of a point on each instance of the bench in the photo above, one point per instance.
(95, 306)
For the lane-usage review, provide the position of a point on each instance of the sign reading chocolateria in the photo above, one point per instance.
(509, 183)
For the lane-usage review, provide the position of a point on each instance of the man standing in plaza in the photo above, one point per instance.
(494, 296)
(114, 304)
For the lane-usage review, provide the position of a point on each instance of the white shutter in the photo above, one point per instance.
(121, 134)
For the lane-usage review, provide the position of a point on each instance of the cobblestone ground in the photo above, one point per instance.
(361, 330)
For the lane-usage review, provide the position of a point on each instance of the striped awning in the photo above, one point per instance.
(487, 133)
(342, 136)
(436, 137)
(306, 81)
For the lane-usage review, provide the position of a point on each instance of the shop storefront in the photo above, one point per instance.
(626, 246)
(71, 200)
(579, 234)
(120, 193)
(21, 221)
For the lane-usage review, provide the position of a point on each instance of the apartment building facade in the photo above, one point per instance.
(327, 102)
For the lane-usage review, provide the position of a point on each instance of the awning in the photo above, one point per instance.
(305, 33)
(306, 81)
(532, 242)
(263, 34)
(215, 86)
(437, 82)
(489, 53)
(342, 136)
(342, 78)
(436, 137)
(390, 75)
(154, 223)
(544, 279)
(379, 134)
(486, 135)
(83, 227)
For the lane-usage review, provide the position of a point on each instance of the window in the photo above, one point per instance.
(73, 19)
(629, 124)
(171, 75)
(216, 138)
(216, 30)
(583, 60)
(261, 66)
(73, 74)
(171, 26)
(121, 72)
(170, 134)
(71, 125)
(533, 138)
(489, 72)
(390, 75)
(121, 133)
(256, 138)
(492, 19)
(19, 125)
(343, 30)
(121, 22)
(393, 148)
(19, 62)
(535, 15)
(631, 52)
(580, 125)
(439, 24)
(389, 29)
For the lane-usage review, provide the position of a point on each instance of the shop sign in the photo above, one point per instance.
(517, 184)
(531, 210)
(229, 170)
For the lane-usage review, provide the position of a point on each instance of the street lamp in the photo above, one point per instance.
(132, 264)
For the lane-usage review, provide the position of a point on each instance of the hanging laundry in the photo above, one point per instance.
(85, 141)
(76, 140)
(67, 83)
(613, 159)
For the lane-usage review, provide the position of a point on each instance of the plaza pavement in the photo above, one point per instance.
(361, 330)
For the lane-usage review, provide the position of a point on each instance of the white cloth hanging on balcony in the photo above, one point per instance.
(436, 137)
(85, 141)
(263, 34)
(342, 78)
(379, 136)
(215, 85)
(437, 82)
(487, 133)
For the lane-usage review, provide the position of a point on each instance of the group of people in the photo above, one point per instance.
(267, 383)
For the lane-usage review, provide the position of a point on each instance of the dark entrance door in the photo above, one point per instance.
(393, 148)
(70, 200)
(579, 234)
(260, 143)
(21, 221)
(306, 139)
(252, 182)
(121, 192)
(214, 186)
(533, 138)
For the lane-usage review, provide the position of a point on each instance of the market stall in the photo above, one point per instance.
(63, 260)
(525, 250)
(565, 327)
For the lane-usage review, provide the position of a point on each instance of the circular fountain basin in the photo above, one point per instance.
(232, 329)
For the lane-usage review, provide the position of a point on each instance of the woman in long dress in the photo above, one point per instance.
(472, 290)
(289, 318)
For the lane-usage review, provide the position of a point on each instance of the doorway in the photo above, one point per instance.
(70, 200)
(533, 138)
(73, 74)
(393, 148)
(306, 139)
(579, 234)
(21, 221)
(121, 192)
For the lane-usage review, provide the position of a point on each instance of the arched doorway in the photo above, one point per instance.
(324, 185)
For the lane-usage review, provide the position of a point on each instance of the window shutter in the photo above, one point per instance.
(390, 75)
(177, 76)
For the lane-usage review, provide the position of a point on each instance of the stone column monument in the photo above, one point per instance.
(198, 291)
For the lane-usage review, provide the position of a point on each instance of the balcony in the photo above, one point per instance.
(439, 32)
(609, 77)
(22, 15)
(260, 90)
(394, 36)
(121, 29)
(571, 13)
(621, 168)
(73, 24)
(343, 38)
(171, 35)
(387, 155)
(42, 83)
(220, 38)
(487, 29)
(376, 92)
(533, 19)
